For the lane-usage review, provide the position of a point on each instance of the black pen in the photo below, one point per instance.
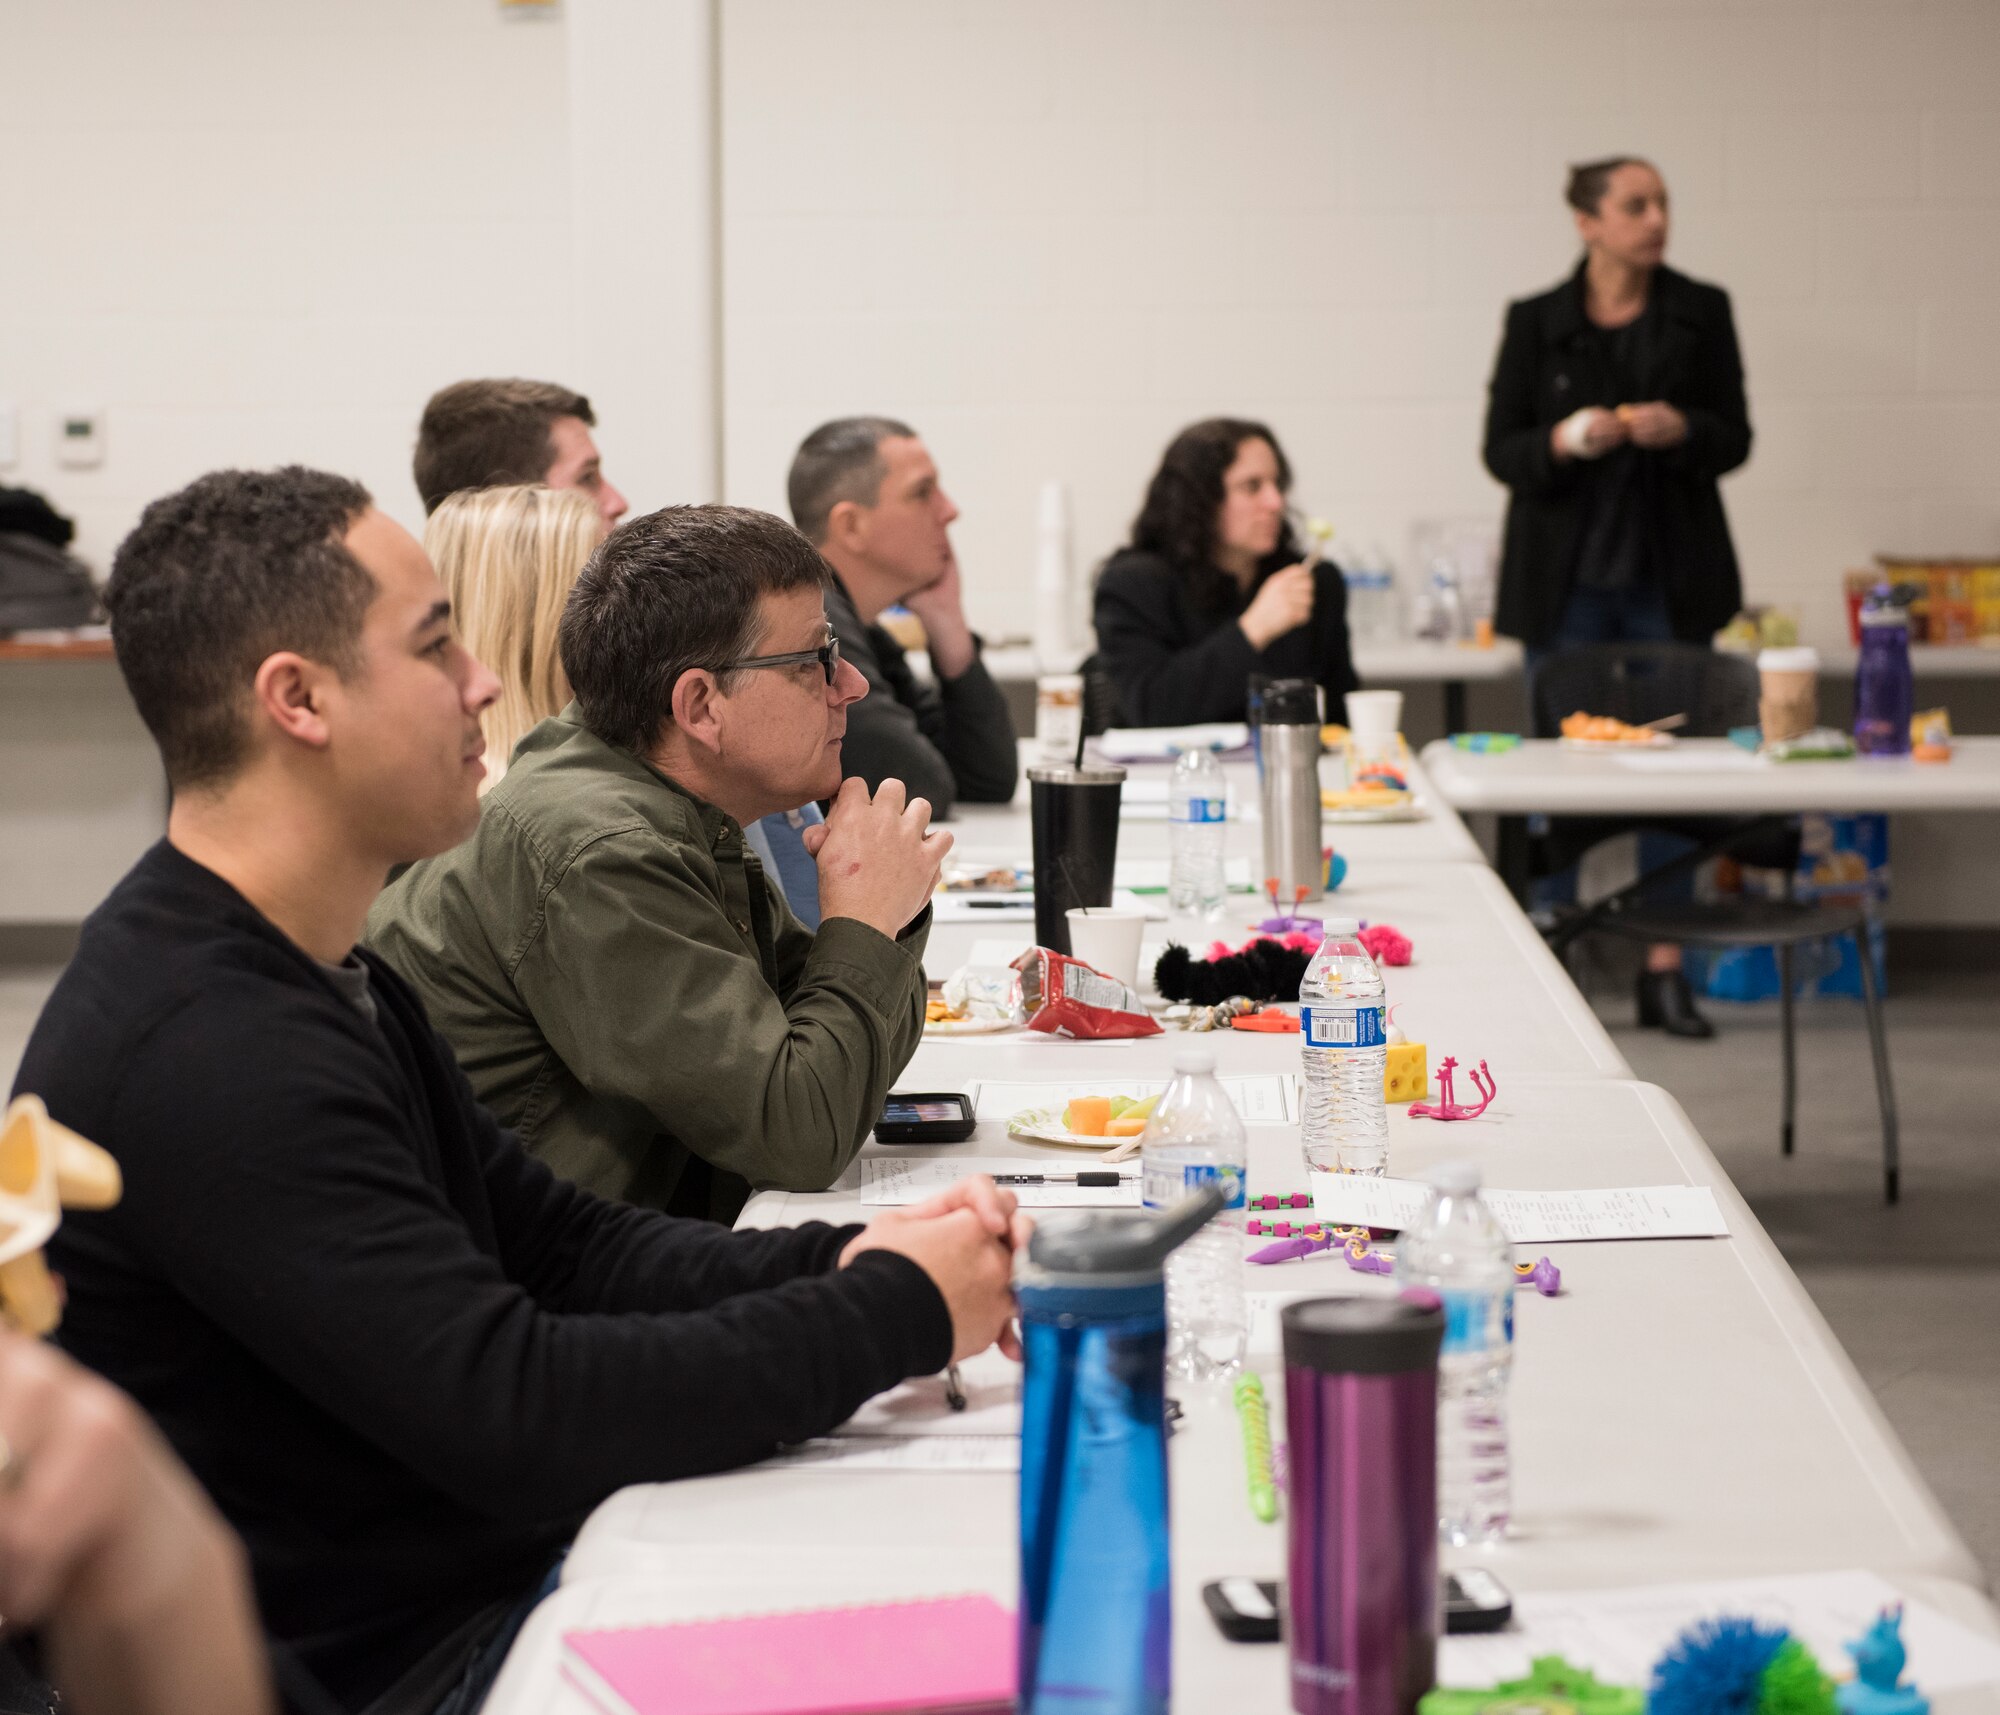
(1106, 1179)
(954, 1388)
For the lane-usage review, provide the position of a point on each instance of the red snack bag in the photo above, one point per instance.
(1066, 997)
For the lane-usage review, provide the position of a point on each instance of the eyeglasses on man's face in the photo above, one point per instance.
(827, 655)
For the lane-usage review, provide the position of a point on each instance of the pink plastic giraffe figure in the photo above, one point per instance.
(1446, 1107)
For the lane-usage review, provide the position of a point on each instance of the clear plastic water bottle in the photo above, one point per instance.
(1442, 616)
(1372, 608)
(1458, 1251)
(1195, 1138)
(1343, 1035)
(1197, 827)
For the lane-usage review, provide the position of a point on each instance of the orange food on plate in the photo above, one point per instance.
(1605, 729)
(1088, 1116)
(1126, 1125)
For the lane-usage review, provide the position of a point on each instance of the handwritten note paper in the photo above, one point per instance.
(888, 1182)
(1619, 1634)
(921, 1406)
(1268, 1099)
(906, 1453)
(913, 1428)
(1532, 1217)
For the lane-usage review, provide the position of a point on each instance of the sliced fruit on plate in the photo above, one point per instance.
(1088, 1116)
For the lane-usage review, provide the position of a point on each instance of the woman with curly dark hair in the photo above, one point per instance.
(1213, 587)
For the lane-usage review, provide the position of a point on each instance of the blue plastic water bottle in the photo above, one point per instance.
(1096, 1635)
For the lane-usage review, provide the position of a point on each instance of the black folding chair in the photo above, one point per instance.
(1642, 682)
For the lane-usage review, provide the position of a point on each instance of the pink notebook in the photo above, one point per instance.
(950, 1657)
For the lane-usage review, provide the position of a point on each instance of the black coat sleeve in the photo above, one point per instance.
(1335, 668)
(947, 741)
(976, 734)
(1718, 415)
(1162, 681)
(581, 1254)
(1517, 436)
(285, 1201)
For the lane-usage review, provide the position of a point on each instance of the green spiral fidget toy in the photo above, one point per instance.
(1256, 1420)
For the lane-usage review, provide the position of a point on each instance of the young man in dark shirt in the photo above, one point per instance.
(403, 1358)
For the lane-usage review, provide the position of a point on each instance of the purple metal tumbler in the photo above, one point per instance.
(1361, 1411)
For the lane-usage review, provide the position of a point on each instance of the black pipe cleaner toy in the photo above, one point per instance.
(1271, 967)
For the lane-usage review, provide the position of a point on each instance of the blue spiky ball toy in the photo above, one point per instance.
(1736, 1667)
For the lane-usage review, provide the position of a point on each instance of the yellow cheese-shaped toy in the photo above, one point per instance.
(1405, 1075)
(44, 1167)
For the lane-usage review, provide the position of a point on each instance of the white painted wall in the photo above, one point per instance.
(263, 231)
(1051, 232)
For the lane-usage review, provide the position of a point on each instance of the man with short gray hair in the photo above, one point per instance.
(865, 492)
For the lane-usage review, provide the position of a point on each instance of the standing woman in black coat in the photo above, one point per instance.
(1214, 587)
(1616, 402)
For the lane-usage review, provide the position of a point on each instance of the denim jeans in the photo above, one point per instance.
(469, 1695)
(1608, 616)
(1612, 616)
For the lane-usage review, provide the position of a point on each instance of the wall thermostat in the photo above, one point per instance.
(80, 437)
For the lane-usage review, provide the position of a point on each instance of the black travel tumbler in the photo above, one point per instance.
(1073, 813)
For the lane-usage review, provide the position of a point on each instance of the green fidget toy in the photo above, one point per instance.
(1553, 1688)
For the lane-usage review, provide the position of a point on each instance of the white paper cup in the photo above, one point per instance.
(1788, 692)
(1108, 941)
(1374, 717)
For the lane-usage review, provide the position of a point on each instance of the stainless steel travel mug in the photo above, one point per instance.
(1288, 788)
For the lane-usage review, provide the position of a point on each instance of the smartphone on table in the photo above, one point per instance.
(928, 1116)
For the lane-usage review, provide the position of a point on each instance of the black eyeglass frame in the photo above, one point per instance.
(827, 655)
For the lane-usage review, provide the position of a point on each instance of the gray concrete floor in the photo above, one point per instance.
(1912, 1292)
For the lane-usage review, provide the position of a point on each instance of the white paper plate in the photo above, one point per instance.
(1655, 741)
(967, 1027)
(1044, 1125)
(1411, 810)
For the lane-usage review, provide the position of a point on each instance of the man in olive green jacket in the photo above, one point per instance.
(605, 956)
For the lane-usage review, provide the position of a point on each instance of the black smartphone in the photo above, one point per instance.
(1475, 1601)
(930, 1116)
(1245, 1610)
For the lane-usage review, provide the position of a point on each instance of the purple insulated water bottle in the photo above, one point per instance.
(1361, 1412)
(1884, 693)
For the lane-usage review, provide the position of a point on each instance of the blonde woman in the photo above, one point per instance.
(508, 558)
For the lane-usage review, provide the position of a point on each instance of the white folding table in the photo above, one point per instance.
(1481, 982)
(1397, 661)
(1680, 1412)
(1704, 777)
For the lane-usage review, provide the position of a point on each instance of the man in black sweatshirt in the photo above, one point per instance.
(404, 1359)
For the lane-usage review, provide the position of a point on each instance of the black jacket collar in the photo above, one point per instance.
(1563, 316)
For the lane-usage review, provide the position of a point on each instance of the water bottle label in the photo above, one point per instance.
(1204, 810)
(1468, 1320)
(1165, 1183)
(1343, 1026)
